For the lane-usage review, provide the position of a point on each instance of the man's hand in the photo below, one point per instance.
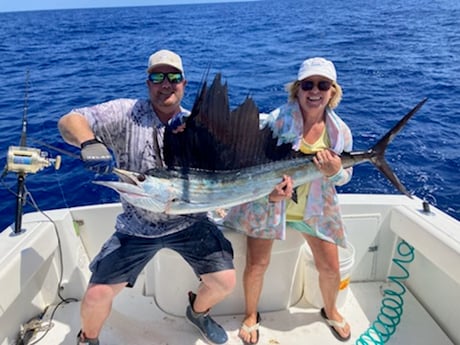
(177, 123)
(96, 157)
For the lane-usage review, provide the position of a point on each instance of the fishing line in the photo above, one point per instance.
(37, 324)
(61, 189)
(23, 160)
(33, 203)
(391, 309)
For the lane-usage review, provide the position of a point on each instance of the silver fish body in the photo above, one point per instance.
(192, 191)
(176, 192)
(173, 192)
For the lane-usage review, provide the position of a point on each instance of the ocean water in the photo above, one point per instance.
(389, 55)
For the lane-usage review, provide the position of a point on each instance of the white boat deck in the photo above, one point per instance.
(152, 312)
(136, 320)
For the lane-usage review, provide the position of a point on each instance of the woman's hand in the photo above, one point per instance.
(328, 162)
(282, 190)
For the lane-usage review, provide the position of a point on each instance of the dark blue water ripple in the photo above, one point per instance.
(389, 56)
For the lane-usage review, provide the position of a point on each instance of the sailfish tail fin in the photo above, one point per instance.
(377, 152)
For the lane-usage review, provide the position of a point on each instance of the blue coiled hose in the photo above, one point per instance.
(391, 309)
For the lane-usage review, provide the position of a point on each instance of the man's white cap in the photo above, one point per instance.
(317, 66)
(165, 57)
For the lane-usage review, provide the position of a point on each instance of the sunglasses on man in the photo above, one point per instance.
(159, 77)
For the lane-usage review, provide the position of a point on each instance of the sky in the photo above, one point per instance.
(33, 5)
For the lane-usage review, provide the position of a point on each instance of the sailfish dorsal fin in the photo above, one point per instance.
(217, 138)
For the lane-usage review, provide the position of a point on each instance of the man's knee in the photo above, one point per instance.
(101, 293)
(223, 281)
(229, 282)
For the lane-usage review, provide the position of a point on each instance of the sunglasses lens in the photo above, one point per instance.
(308, 85)
(157, 78)
(175, 78)
(324, 85)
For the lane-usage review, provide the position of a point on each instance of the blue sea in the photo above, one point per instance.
(389, 55)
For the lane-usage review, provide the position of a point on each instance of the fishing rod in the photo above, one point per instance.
(25, 160)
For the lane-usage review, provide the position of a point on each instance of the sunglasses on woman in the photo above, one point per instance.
(173, 77)
(308, 85)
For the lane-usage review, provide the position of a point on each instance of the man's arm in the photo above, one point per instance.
(75, 129)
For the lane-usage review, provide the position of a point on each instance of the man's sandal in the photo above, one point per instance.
(250, 329)
(335, 324)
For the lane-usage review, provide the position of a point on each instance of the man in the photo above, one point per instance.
(133, 130)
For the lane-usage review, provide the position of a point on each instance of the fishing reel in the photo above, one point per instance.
(26, 160)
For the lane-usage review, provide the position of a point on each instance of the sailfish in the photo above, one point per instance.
(223, 158)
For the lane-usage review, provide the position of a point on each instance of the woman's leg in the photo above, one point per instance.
(257, 260)
(326, 256)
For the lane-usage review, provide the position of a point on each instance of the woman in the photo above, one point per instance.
(309, 123)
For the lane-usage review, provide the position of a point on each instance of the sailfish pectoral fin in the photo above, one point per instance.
(294, 196)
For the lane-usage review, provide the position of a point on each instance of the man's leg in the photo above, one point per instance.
(96, 307)
(211, 256)
(213, 289)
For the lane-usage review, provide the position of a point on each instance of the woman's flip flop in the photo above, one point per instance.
(335, 324)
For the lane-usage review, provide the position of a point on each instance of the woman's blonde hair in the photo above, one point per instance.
(293, 87)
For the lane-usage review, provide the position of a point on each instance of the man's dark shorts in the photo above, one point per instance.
(123, 257)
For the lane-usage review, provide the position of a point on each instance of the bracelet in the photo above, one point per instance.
(89, 142)
(337, 176)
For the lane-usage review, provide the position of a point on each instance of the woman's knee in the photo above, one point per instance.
(258, 266)
(329, 269)
(258, 254)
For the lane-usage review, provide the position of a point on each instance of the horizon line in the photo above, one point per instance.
(166, 3)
